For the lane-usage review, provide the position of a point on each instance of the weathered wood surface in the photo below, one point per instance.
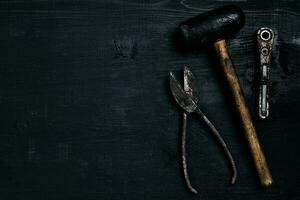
(86, 111)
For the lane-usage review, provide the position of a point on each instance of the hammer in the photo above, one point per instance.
(214, 27)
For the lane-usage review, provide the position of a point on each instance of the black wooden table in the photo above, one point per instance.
(86, 111)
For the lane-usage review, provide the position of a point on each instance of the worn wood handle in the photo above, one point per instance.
(243, 112)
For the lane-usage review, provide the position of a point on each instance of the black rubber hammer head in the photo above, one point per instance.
(212, 26)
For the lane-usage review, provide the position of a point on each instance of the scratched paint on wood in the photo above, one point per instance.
(86, 111)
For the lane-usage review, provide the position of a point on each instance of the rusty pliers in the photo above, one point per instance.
(187, 98)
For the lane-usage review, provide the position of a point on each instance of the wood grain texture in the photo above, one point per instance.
(86, 111)
(243, 113)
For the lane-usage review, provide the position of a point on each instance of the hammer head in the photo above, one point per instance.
(212, 26)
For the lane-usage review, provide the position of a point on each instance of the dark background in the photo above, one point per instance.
(86, 112)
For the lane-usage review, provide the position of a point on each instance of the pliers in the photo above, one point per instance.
(187, 98)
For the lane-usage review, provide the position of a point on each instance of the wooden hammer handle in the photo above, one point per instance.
(243, 112)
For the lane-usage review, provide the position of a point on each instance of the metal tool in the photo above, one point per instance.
(265, 38)
(215, 27)
(187, 98)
